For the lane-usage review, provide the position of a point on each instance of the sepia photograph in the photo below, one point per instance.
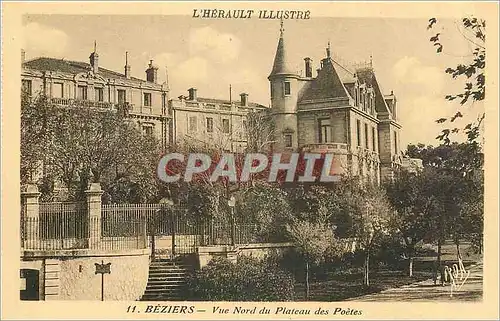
(251, 154)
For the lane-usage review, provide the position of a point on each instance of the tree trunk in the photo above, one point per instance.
(411, 252)
(366, 278)
(437, 266)
(307, 280)
(459, 255)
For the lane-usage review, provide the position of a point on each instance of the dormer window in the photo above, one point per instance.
(287, 88)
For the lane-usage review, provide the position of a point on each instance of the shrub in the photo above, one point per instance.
(249, 279)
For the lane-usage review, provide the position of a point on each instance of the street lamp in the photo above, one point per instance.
(232, 202)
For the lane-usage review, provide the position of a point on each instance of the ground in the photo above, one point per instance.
(390, 285)
(472, 290)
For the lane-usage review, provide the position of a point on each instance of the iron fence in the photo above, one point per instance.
(128, 226)
(65, 226)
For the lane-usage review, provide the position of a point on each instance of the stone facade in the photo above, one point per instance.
(338, 111)
(219, 123)
(67, 83)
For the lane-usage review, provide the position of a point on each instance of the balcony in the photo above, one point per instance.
(336, 148)
(69, 102)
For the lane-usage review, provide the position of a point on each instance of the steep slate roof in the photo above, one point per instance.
(366, 75)
(227, 102)
(281, 65)
(327, 84)
(72, 67)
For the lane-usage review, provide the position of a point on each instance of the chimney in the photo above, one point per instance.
(23, 56)
(192, 94)
(244, 99)
(94, 59)
(152, 72)
(308, 63)
(127, 66)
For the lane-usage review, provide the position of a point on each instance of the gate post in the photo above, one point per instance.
(94, 194)
(31, 216)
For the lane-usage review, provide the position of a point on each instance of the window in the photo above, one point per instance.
(358, 132)
(395, 142)
(147, 130)
(99, 94)
(272, 90)
(225, 126)
(373, 139)
(325, 133)
(287, 88)
(244, 129)
(147, 99)
(82, 93)
(193, 124)
(210, 125)
(288, 140)
(26, 87)
(366, 136)
(57, 90)
(121, 96)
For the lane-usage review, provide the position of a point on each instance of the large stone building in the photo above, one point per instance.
(69, 83)
(337, 111)
(220, 123)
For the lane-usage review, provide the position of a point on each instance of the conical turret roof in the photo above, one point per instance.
(281, 64)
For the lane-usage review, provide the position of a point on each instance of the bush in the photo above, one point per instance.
(247, 280)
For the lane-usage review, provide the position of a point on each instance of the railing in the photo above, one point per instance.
(325, 147)
(68, 226)
(84, 103)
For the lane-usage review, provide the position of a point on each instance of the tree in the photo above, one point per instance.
(370, 216)
(473, 30)
(413, 196)
(36, 127)
(456, 183)
(313, 240)
(268, 206)
(79, 145)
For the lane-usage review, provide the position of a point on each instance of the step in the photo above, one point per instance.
(170, 266)
(167, 279)
(164, 274)
(166, 285)
(177, 281)
(162, 298)
(167, 268)
(169, 291)
(156, 291)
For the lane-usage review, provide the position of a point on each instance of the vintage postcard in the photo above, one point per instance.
(250, 160)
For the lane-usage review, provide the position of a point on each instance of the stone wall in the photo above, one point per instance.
(259, 250)
(70, 275)
(127, 281)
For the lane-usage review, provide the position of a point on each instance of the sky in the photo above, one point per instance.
(211, 55)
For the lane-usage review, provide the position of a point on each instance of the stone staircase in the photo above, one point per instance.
(167, 280)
